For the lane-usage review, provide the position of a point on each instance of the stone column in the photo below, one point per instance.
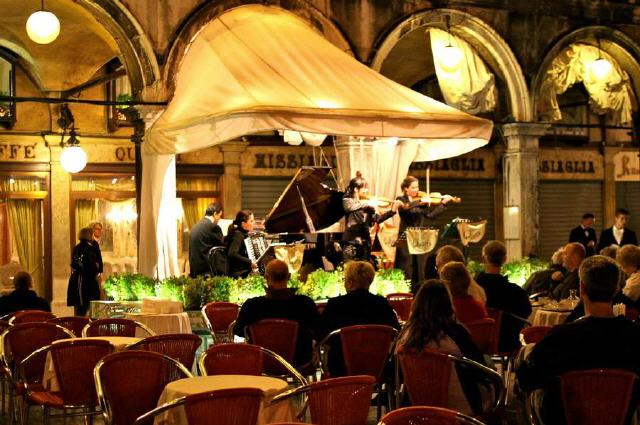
(520, 176)
(232, 182)
(60, 231)
(609, 187)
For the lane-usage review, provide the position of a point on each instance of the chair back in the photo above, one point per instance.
(341, 401)
(597, 396)
(484, 334)
(180, 347)
(21, 340)
(129, 383)
(219, 315)
(426, 415)
(114, 327)
(401, 304)
(277, 335)
(74, 362)
(426, 376)
(236, 406)
(232, 359)
(365, 348)
(533, 334)
(28, 316)
(74, 323)
(4, 325)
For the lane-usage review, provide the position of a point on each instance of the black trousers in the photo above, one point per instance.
(412, 265)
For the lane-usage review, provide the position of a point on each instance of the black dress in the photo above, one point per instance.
(413, 265)
(83, 283)
(359, 218)
(239, 262)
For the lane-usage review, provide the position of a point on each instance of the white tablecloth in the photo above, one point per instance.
(279, 412)
(161, 324)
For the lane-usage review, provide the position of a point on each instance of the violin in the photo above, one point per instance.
(375, 201)
(428, 199)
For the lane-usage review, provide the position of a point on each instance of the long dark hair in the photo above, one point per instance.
(242, 217)
(358, 182)
(431, 316)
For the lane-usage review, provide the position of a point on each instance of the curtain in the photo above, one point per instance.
(612, 94)
(122, 219)
(194, 209)
(471, 86)
(85, 213)
(117, 184)
(25, 219)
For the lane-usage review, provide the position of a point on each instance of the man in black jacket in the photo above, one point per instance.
(205, 235)
(22, 298)
(585, 234)
(618, 234)
(357, 307)
(599, 340)
(503, 295)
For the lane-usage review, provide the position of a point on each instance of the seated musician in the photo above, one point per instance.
(239, 263)
(359, 217)
(413, 214)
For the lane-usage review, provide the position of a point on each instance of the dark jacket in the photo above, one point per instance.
(510, 298)
(359, 217)
(541, 281)
(83, 283)
(204, 236)
(359, 307)
(570, 281)
(580, 235)
(588, 343)
(239, 262)
(22, 299)
(283, 304)
(607, 238)
(98, 252)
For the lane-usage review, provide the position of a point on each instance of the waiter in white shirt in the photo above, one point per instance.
(618, 234)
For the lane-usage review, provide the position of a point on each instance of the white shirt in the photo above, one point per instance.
(617, 234)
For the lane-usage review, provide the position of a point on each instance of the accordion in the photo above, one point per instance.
(256, 245)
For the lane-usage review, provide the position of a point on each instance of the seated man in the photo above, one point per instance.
(574, 253)
(23, 297)
(357, 307)
(281, 302)
(503, 295)
(542, 281)
(599, 340)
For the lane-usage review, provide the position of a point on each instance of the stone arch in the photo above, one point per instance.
(210, 10)
(617, 44)
(136, 51)
(487, 42)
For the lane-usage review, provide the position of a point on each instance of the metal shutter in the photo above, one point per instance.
(477, 202)
(628, 197)
(562, 205)
(259, 194)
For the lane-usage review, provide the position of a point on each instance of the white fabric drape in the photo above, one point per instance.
(261, 68)
(573, 65)
(471, 86)
(158, 247)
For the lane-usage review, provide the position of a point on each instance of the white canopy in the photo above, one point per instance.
(258, 68)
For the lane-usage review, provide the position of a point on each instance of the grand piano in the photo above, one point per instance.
(303, 210)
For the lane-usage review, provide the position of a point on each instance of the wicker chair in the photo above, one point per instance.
(277, 335)
(181, 347)
(27, 316)
(143, 373)
(219, 317)
(427, 415)
(401, 304)
(236, 406)
(74, 323)
(114, 327)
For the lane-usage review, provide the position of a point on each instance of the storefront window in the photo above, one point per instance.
(7, 88)
(110, 200)
(21, 229)
(118, 90)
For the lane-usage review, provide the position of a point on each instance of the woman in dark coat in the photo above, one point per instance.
(239, 263)
(83, 283)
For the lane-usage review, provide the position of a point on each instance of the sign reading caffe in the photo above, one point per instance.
(555, 164)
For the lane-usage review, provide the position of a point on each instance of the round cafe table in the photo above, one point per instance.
(550, 317)
(279, 412)
(49, 379)
(162, 324)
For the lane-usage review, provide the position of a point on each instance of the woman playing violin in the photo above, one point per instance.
(359, 217)
(413, 213)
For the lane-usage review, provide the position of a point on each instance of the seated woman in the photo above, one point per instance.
(239, 263)
(433, 324)
(629, 259)
(457, 278)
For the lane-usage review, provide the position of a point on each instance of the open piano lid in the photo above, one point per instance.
(324, 204)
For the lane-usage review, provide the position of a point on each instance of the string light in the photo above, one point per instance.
(43, 27)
